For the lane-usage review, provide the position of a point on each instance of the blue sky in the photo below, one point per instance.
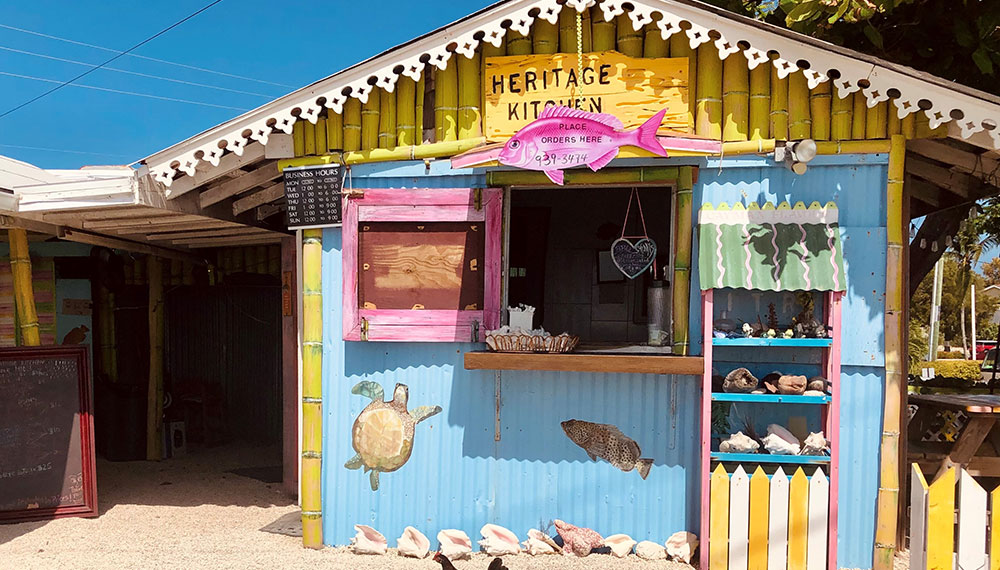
(291, 43)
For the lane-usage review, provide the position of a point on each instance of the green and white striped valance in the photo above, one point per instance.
(770, 248)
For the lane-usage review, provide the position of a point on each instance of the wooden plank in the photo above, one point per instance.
(759, 504)
(93, 239)
(918, 519)
(941, 518)
(147, 222)
(684, 365)
(954, 182)
(798, 520)
(819, 511)
(975, 403)
(718, 538)
(968, 442)
(232, 187)
(229, 241)
(980, 166)
(994, 529)
(266, 211)
(205, 224)
(269, 194)
(777, 533)
(243, 230)
(231, 161)
(739, 518)
(971, 523)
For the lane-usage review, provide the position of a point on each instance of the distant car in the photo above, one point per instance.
(982, 346)
(988, 365)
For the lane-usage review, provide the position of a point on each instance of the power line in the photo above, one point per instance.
(184, 65)
(181, 81)
(119, 91)
(95, 68)
(62, 150)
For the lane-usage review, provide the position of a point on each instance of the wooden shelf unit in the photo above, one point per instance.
(576, 362)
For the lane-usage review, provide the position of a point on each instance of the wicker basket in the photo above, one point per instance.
(521, 342)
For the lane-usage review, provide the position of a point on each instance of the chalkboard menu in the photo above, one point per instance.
(313, 195)
(47, 464)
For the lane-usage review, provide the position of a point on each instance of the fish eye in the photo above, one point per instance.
(515, 143)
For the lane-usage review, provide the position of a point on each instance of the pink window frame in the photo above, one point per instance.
(422, 205)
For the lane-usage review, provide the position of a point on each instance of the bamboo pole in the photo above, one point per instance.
(895, 123)
(708, 109)
(446, 102)
(312, 388)
(518, 43)
(921, 125)
(418, 111)
(298, 138)
(760, 102)
(653, 44)
(799, 121)
(910, 126)
(544, 36)
(406, 100)
(320, 132)
(859, 116)
(24, 295)
(840, 118)
(629, 39)
(308, 137)
(567, 30)
(682, 260)
(819, 110)
(895, 360)
(154, 393)
(779, 106)
(489, 50)
(877, 122)
(735, 98)
(370, 112)
(334, 131)
(470, 88)
(352, 124)
(679, 47)
(603, 31)
(386, 120)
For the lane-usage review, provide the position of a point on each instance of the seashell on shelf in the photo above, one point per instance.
(739, 443)
(413, 543)
(739, 380)
(649, 550)
(815, 444)
(368, 540)
(817, 383)
(540, 543)
(498, 541)
(620, 544)
(814, 393)
(791, 385)
(455, 544)
(681, 546)
(783, 433)
(775, 445)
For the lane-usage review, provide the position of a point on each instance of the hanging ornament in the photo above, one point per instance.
(923, 243)
(947, 241)
(632, 258)
(913, 230)
(934, 245)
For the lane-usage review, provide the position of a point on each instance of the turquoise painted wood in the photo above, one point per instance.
(770, 398)
(774, 342)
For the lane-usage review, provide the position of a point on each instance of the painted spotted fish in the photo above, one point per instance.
(609, 443)
(562, 138)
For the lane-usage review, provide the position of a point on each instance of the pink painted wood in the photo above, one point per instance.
(422, 205)
(833, 356)
(707, 317)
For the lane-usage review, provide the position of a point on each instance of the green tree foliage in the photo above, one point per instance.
(991, 271)
(952, 297)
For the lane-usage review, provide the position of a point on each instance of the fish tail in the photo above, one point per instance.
(642, 466)
(645, 135)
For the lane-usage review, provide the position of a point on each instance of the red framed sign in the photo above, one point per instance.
(47, 465)
(422, 264)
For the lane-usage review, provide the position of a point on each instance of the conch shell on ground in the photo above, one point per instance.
(739, 443)
(367, 540)
(681, 546)
(649, 550)
(498, 541)
(540, 543)
(413, 543)
(455, 544)
(620, 544)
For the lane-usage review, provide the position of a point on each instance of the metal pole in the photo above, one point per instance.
(935, 310)
(974, 357)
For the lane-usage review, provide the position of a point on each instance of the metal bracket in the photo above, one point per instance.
(475, 331)
(477, 198)
(364, 328)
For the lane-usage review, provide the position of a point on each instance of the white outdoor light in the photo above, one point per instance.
(795, 154)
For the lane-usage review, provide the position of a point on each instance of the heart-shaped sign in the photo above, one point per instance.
(633, 258)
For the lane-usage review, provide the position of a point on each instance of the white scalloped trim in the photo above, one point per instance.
(972, 115)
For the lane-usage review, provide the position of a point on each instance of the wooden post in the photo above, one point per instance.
(24, 295)
(629, 39)
(603, 31)
(312, 388)
(682, 260)
(446, 102)
(289, 367)
(708, 110)
(735, 98)
(154, 393)
(679, 47)
(370, 119)
(779, 106)
(470, 124)
(760, 102)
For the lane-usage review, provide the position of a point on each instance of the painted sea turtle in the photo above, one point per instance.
(383, 431)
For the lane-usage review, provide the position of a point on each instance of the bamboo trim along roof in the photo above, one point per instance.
(973, 115)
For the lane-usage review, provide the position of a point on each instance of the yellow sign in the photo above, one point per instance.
(518, 87)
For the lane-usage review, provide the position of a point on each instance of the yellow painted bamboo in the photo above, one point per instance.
(799, 121)
(859, 117)
(629, 40)
(154, 393)
(321, 144)
(995, 529)
(370, 120)
(895, 360)
(298, 138)
(853, 147)
(682, 260)
(735, 99)
(352, 124)
(760, 102)
(895, 123)
(387, 120)
(760, 489)
(518, 43)
(718, 526)
(418, 111)
(653, 44)
(603, 31)
(840, 118)
(470, 124)
(940, 523)
(921, 125)
(308, 138)
(489, 50)
(312, 388)
(877, 121)
(334, 131)
(567, 30)
(708, 107)
(679, 47)
(940, 132)
(428, 150)
(910, 126)
(406, 100)
(819, 111)
(779, 106)
(24, 296)
(446, 103)
(544, 37)
(798, 520)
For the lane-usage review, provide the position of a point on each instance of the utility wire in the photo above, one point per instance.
(95, 68)
(106, 68)
(150, 96)
(63, 150)
(184, 65)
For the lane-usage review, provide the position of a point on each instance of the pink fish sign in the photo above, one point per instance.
(562, 138)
